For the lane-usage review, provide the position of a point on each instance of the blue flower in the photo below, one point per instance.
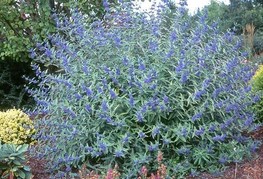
(118, 72)
(131, 100)
(126, 138)
(78, 96)
(216, 92)
(117, 41)
(139, 116)
(183, 151)
(206, 83)
(232, 107)
(70, 112)
(247, 89)
(108, 119)
(155, 30)
(181, 65)
(184, 77)
(256, 98)
(240, 138)
(32, 53)
(99, 89)
(197, 116)
(106, 5)
(155, 131)
(219, 138)
(142, 135)
(131, 72)
(113, 94)
(89, 149)
(165, 100)
(102, 147)
(89, 92)
(105, 83)
(249, 121)
(200, 131)
(106, 70)
(153, 46)
(184, 132)
(104, 106)
(166, 141)
(125, 61)
(37, 70)
(48, 53)
(232, 64)
(229, 121)
(85, 69)
(119, 153)
(213, 46)
(253, 147)
(148, 79)
(144, 108)
(199, 94)
(153, 147)
(183, 3)
(173, 36)
(141, 66)
(42, 103)
(238, 45)
(153, 87)
(244, 54)
(222, 160)
(170, 53)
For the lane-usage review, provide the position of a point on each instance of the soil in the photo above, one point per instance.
(249, 169)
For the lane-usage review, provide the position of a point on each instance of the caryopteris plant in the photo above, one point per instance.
(126, 87)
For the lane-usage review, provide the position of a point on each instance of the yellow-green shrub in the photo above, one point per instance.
(257, 84)
(16, 127)
(258, 79)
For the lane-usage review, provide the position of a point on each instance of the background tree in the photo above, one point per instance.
(236, 16)
(22, 22)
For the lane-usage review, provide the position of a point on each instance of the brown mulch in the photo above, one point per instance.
(249, 169)
(38, 168)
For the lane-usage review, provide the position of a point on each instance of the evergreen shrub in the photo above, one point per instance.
(16, 127)
(257, 86)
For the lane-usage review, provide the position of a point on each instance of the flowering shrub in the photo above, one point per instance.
(16, 127)
(126, 87)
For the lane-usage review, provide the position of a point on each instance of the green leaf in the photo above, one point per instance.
(27, 168)
(17, 162)
(21, 174)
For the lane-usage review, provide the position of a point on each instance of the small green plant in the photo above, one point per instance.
(12, 159)
(257, 84)
(258, 79)
(16, 127)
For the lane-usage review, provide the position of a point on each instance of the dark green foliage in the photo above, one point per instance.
(12, 92)
(235, 15)
(23, 21)
(258, 44)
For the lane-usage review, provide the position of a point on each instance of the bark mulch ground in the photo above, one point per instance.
(249, 169)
